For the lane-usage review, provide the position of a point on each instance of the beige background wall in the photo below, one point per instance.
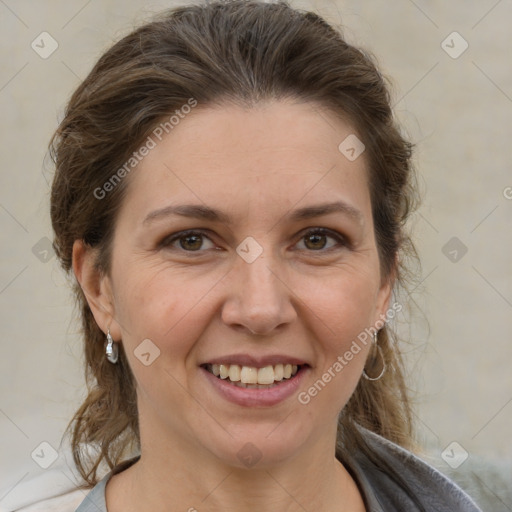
(457, 110)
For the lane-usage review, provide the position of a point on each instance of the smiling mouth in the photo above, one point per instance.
(252, 377)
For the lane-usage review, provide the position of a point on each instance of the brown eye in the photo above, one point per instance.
(317, 240)
(189, 241)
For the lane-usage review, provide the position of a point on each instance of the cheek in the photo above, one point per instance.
(169, 309)
(339, 313)
(343, 302)
(163, 306)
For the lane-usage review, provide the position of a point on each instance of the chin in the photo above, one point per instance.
(260, 446)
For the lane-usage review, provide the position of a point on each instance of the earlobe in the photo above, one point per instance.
(96, 287)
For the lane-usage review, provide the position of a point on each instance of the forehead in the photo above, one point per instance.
(274, 153)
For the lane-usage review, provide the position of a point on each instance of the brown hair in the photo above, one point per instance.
(241, 51)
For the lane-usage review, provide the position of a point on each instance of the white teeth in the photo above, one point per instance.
(278, 372)
(234, 373)
(224, 371)
(251, 377)
(266, 375)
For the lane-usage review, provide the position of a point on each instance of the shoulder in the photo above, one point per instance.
(57, 488)
(95, 500)
(50, 492)
(397, 479)
(67, 502)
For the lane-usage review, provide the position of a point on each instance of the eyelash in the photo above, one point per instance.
(341, 240)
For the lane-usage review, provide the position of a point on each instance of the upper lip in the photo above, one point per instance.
(256, 361)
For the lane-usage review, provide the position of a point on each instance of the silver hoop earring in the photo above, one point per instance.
(111, 349)
(379, 350)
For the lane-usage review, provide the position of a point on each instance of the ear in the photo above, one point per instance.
(97, 288)
(383, 300)
(384, 294)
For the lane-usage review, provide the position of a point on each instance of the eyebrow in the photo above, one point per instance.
(198, 211)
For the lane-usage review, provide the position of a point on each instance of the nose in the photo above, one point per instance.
(259, 301)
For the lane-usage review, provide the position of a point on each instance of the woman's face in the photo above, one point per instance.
(255, 285)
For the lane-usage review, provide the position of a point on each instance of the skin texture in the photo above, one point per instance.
(302, 297)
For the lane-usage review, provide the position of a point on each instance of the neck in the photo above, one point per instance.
(191, 479)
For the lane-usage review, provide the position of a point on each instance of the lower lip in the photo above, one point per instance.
(251, 397)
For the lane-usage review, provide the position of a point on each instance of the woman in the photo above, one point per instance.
(230, 193)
